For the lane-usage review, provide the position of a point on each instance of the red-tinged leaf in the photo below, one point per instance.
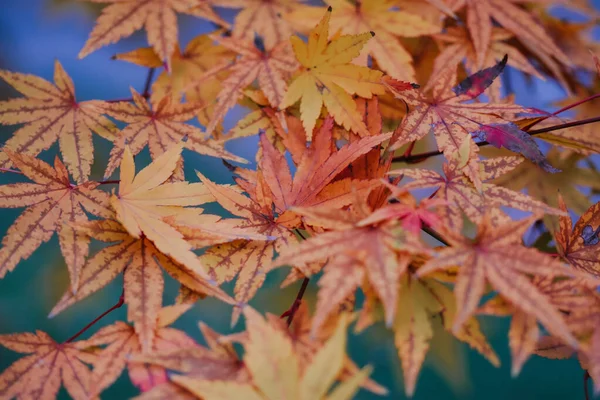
(159, 17)
(53, 204)
(497, 256)
(161, 126)
(269, 66)
(51, 113)
(40, 374)
(475, 84)
(579, 244)
(509, 136)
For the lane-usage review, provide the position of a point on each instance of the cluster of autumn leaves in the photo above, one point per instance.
(325, 196)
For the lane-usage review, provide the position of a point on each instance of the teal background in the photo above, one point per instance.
(33, 33)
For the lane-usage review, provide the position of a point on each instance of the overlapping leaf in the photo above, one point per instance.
(264, 18)
(160, 126)
(50, 112)
(511, 17)
(123, 344)
(189, 73)
(461, 195)
(381, 251)
(159, 17)
(580, 245)
(446, 112)
(379, 16)
(53, 205)
(47, 367)
(275, 369)
(496, 256)
(268, 65)
(327, 78)
(141, 262)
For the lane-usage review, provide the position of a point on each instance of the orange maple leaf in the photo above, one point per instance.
(262, 17)
(143, 276)
(379, 251)
(122, 18)
(50, 113)
(269, 65)
(446, 112)
(497, 256)
(160, 127)
(187, 74)
(124, 344)
(53, 205)
(41, 374)
(461, 195)
(510, 16)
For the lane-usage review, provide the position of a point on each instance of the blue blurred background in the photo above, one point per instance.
(33, 33)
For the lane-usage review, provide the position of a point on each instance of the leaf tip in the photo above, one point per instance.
(372, 33)
(329, 9)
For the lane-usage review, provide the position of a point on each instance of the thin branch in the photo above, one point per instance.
(586, 378)
(291, 312)
(98, 318)
(146, 91)
(565, 108)
(14, 171)
(109, 182)
(434, 235)
(417, 158)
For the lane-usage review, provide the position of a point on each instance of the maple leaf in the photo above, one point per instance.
(497, 256)
(544, 186)
(268, 65)
(160, 127)
(121, 18)
(419, 301)
(579, 244)
(509, 136)
(49, 365)
(50, 112)
(328, 78)
(141, 262)
(461, 195)
(53, 203)
(187, 73)
(381, 251)
(262, 17)
(511, 17)
(124, 345)
(355, 17)
(145, 199)
(274, 368)
(576, 300)
(313, 183)
(457, 46)
(445, 113)
(250, 260)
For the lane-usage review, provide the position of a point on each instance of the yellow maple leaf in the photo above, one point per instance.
(274, 366)
(142, 202)
(380, 16)
(328, 78)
